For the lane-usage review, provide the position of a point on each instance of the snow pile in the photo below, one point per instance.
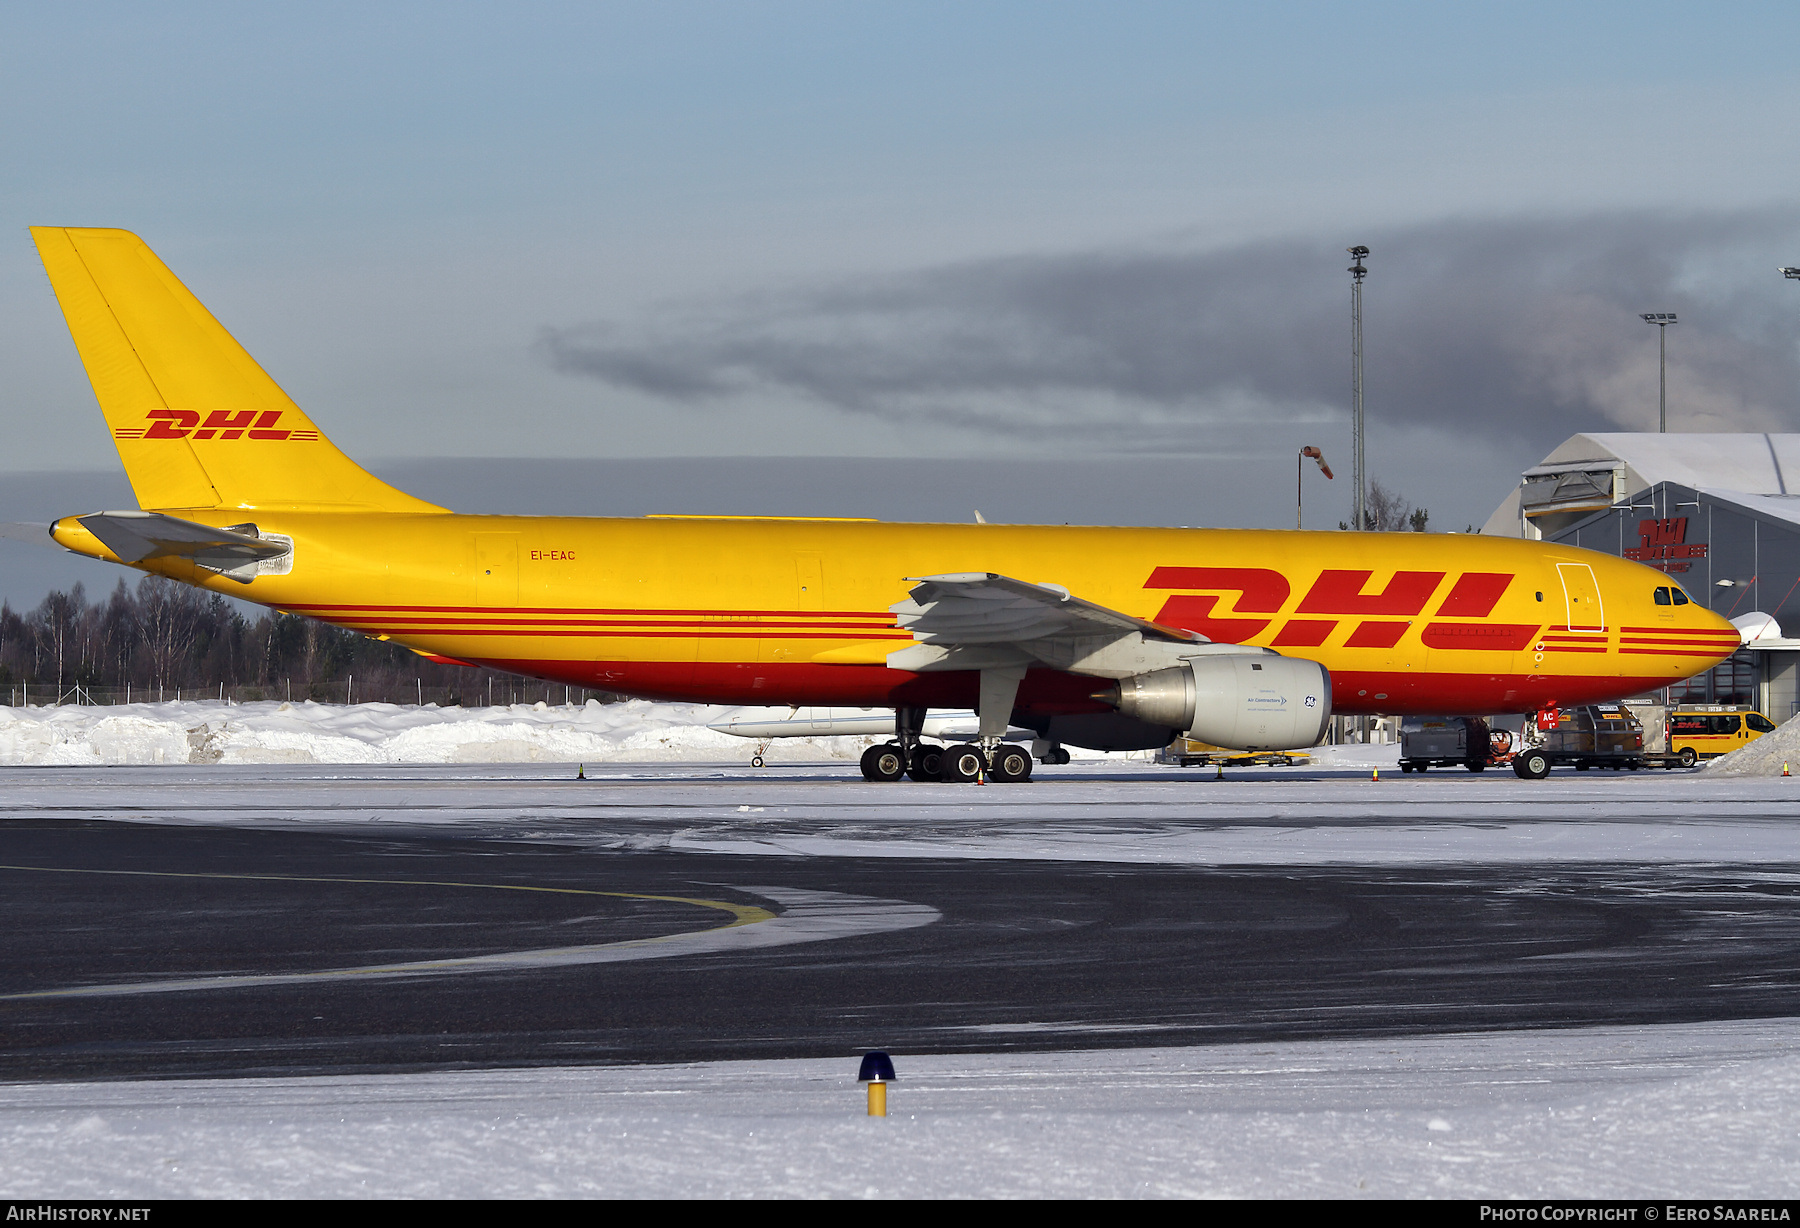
(1763, 757)
(210, 732)
(1700, 1110)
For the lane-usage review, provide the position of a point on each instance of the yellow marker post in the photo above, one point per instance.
(877, 1071)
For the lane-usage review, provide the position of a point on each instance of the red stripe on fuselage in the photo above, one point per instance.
(627, 611)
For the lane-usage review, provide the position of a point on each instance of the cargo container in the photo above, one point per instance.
(1446, 741)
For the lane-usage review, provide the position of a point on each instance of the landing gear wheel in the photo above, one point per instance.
(1532, 765)
(927, 763)
(1688, 756)
(962, 764)
(755, 760)
(1012, 764)
(1059, 756)
(883, 762)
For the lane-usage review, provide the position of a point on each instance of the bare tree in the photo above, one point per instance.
(57, 619)
(168, 619)
(1386, 511)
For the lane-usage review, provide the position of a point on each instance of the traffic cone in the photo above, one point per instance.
(1784, 770)
(1376, 777)
(581, 771)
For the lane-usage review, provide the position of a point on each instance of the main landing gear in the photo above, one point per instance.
(925, 763)
(988, 758)
(1009, 764)
(884, 762)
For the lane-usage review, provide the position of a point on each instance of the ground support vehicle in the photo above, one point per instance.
(1451, 741)
(1589, 736)
(1191, 752)
(1705, 731)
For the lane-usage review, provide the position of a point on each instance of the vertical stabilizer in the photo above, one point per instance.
(197, 422)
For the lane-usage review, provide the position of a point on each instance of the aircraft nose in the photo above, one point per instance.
(1713, 634)
(1716, 621)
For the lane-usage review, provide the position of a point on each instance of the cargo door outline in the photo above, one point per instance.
(497, 569)
(1581, 598)
(808, 596)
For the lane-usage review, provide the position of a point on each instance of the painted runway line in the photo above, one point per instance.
(807, 916)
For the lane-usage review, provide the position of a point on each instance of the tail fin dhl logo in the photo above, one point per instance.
(1264, 591)
(220, 423)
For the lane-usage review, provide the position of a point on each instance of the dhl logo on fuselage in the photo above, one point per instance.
(1384, 615)
(219, 423)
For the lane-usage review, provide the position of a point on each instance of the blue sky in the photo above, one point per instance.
(910, 230)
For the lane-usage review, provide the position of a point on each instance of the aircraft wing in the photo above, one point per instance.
(232, 551)
(982, 620)
(980, 607)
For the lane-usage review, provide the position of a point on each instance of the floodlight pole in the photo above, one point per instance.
(1662, 320)
(1357, 497)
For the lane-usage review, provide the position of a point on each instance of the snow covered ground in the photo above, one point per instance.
(1119, 811)
(210, 732)
(1705, 1110)
(1701, 1111)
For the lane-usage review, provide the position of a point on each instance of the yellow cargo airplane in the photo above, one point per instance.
(1111, 638)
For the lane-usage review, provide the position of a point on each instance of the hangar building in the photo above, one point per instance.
(1719, 513)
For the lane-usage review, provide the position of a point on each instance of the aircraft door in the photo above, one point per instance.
(496, 569)
(1581, 597)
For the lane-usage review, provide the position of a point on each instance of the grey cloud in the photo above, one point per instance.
(1488, 327)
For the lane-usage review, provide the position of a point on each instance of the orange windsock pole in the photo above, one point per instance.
(1299, 469)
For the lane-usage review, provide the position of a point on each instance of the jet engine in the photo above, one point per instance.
(1245, 701)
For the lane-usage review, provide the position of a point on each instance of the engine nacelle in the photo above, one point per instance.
(1244, 701)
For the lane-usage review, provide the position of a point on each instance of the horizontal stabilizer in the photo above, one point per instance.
(235, 551)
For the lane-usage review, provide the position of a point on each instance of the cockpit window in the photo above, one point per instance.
(1681, 598)
(1662, 597)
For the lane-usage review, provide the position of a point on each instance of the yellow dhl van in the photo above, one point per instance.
(1711, 730)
